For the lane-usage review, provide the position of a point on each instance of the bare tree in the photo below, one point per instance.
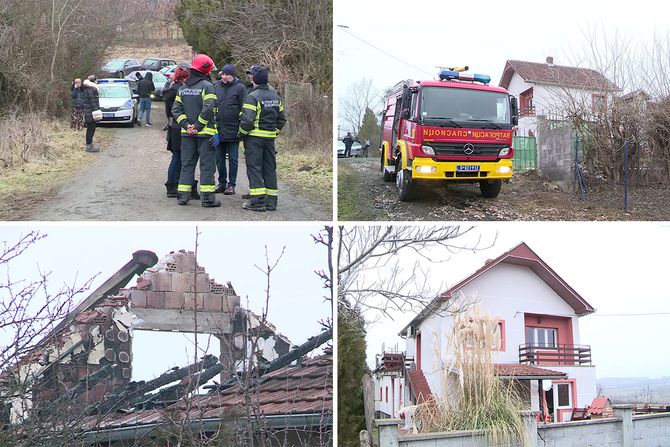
(358, 97)
(628, 108)
(386, 268)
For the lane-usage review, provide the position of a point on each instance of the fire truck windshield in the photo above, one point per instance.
(468, 107)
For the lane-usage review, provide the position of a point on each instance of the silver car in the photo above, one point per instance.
(118, 104)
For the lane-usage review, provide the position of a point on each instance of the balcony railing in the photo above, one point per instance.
(560, 354)
(527, 111)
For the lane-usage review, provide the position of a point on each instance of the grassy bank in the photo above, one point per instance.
(310, 171)
(34, 163)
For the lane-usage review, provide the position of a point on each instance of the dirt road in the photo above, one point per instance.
(125, 183)
(362, 195)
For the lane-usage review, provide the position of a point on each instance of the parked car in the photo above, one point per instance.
(118, 103)
(355, 149)
(155, 63)
(119, 68)
(171, 68)
(158, 78)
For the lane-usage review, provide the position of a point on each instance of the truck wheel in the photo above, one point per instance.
(490, 188)
(405, 184)
(385, 175)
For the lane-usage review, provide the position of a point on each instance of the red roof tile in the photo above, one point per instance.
(598, 405)
(519, 371)
(534, 72)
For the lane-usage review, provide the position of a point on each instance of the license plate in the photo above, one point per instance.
(108, 115)
(470, 168)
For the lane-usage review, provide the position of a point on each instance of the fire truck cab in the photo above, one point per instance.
(457, 128)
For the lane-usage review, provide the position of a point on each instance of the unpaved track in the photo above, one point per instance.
(362, 195)
(126, 183)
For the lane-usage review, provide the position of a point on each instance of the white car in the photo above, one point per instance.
(118, 104)
(355, 149)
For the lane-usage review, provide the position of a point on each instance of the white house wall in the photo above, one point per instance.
(586, 382)
(395, 399)
(506, 291)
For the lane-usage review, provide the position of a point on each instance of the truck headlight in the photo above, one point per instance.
(426, 169)
(503, 152)
(428, 150)
(504, 169)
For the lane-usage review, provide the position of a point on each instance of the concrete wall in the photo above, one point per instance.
(605, 433)
(651, 430)
(556, 154)
(625, 430)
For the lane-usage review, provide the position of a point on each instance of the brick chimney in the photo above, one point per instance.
(550, 61)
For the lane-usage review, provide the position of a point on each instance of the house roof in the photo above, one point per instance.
(599, 405)
(305, 388)
(542, 73)
(518, 371)
(519, 255)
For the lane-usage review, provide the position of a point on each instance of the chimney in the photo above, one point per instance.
(550, 61)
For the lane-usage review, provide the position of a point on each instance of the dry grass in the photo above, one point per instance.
(38, 154)
(309, 171)
(475, 399)
(178, 50)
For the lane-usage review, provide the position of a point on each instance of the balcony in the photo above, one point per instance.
(560, 354)
(527, 110)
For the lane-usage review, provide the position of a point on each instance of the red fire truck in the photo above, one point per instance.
(457, 128)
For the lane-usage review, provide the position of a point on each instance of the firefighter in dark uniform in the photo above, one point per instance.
(193, 110)
(261, 120)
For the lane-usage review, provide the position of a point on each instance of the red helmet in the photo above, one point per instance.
(202, 63)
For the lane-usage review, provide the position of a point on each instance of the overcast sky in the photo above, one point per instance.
(228, 252)
(619, 268)
(483, 34)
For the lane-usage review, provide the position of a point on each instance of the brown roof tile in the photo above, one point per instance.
(525, 371)
(534, 72)
(301, 389)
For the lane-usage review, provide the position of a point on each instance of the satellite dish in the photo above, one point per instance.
(546, 385)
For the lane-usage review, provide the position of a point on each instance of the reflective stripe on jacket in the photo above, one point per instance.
(262, 113)
(195, 104)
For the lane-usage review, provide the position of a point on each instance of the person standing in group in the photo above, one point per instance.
(92, 112)
(174, 133)
(145, 88)
(194, 112)
(77, 115)
(261, 120)
(348, 141)
(230, 95)
(250, 72)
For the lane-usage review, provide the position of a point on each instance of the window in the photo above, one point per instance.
(387, 394)
(499, 337)
(541, 337)
(563, 392)
(598, 102)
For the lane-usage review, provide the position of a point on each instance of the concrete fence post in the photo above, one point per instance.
(625, 412)
(530, 421)
(388, 432)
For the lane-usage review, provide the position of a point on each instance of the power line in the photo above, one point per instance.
(346, 30)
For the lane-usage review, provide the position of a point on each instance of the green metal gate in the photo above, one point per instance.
(525, 153)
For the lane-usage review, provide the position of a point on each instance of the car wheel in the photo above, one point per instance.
(120, 74)
(490, 188)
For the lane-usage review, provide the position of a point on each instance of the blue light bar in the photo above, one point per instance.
(449, 75)
(104, 81)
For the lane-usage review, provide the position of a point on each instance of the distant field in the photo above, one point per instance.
(636, 390)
